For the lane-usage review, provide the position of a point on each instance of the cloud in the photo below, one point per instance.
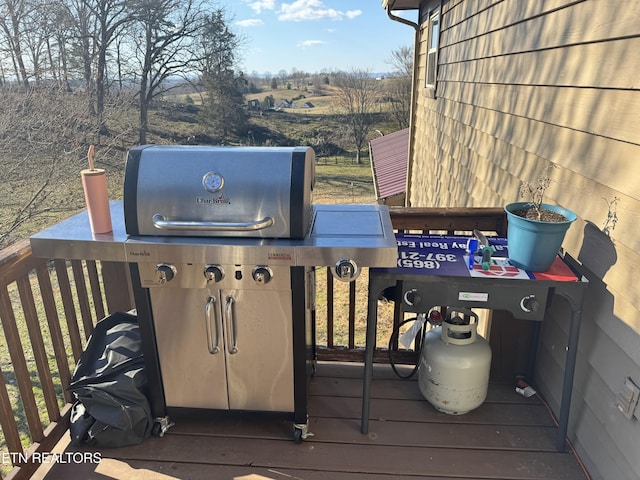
(304, 10)
(259, 6)
(311, 43)
(250, 22)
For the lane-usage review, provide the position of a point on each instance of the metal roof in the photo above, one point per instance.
(389, 160)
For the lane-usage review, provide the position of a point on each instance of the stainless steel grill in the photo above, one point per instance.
(222, 244)
(221, 191)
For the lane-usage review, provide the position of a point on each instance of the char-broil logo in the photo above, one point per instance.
(141, 253)
(213, 200)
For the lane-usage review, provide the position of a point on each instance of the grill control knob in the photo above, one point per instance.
(411, 297)
(262, 274)
(165, 272)
(213, 273)
(346, 270)
(530, 304)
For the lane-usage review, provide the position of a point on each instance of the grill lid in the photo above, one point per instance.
(260, 192)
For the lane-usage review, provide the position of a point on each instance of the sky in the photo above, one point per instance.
(316, 35)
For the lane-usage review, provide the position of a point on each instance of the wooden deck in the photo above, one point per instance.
(508, 437)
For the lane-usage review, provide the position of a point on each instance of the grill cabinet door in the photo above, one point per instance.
(258, 376)
(191, 375)
(260, 373)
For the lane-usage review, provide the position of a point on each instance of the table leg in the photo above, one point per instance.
(567, 386)
(370, 346)
(533, 350)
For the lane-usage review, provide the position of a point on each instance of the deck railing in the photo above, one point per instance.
(48, 309)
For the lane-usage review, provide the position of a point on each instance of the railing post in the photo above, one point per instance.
(20, 368)
(117, 287)
(7, 421)
(352, 315)
(330, 317)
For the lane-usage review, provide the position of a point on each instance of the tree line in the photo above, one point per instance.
(73, 71)
(102, 47)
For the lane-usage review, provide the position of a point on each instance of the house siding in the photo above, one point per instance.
(526, 84)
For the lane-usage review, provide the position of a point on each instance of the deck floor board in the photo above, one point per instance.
(508, 437)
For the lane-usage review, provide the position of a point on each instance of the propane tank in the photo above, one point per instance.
(454, 365)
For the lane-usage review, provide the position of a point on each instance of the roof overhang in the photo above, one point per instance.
(401, 4)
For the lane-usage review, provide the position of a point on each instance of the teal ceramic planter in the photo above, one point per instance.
(533, 245)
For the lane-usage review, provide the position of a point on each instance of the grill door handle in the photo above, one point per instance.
(232, 325)
(213, 343)
(161, 222)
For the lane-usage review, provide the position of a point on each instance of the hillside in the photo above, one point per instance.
(44, 138)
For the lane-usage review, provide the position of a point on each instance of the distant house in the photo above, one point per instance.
(389, 156)
(504, 89)
(253, 104)
(285, 104)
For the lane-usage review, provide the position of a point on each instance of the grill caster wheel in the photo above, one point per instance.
(301, 432)
(160, 426)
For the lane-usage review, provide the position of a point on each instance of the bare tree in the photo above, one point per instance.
(33, 206)
(32, 38)
(34, 32)
(12, 15)
(44, 135)
(165, 36)
(399, 85)
(401, 60)
(299, 78)
(111, 16)
(37, 31)
(62, 28)
(320, 81)
(357, 96)
(91, 27)
(283, 76)
(85, 38)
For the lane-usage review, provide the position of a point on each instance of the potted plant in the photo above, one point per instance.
(536, 230)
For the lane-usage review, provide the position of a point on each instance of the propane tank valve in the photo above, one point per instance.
(435, 317)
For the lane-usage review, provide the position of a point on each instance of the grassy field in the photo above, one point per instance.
(343, 183)
(58, 154)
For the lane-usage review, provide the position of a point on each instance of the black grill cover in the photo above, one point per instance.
(109, 384)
